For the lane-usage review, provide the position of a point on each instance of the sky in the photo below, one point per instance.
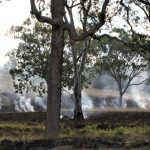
(14, 12)
(11, 13)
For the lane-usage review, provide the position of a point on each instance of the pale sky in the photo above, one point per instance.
(11, 13)
(15, 12)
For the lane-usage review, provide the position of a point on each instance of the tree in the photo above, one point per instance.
(30, 73)
(141, 44)
(55, 76)
(82, 53)
(30, 59)
(101, 12)
(55, 65)
(122, 64)
(31, 56)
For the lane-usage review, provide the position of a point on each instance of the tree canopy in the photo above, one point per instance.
(122, 63)
(30, 72)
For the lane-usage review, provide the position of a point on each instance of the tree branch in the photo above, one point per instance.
(127, 11)
(40, 18)
(146, 2)
(142, 82)
(90, 32)
(142, 8)
(96, 37)
(87, 46)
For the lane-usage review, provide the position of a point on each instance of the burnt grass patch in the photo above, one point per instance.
(76, 143)
(115, 121)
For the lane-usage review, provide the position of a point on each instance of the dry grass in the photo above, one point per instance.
(109, 128)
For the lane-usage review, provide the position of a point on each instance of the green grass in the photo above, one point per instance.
(89, 135)
(127, 135)
(93, 131)
(21, 131)
(24, 131)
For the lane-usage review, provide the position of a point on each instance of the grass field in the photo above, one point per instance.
(104, 130)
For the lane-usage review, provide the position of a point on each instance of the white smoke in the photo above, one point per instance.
(86, 104)
(23, 104)
(86, 101)
(40, 102)
(115, 103)
(27, 103)
(6, 81)
(138, 95)
(67, 101)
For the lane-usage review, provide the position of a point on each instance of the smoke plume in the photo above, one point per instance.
(102, 94)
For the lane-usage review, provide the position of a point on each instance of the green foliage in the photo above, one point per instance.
(138, 42)
(141, 43)
(120, 61)
(88, 130)
(32, 58)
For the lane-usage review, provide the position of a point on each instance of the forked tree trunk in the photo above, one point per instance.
(55, 72)
(78, 114)
(78, 86)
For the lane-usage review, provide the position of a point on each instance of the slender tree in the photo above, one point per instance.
(122, 64)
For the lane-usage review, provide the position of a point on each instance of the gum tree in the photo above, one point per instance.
(120, 62)
(55, 64)
(29, 61)
(56, 59)
(99, 13)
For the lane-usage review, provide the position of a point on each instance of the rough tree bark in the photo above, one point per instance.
(54, 83)
(55, 72)
(55, 66)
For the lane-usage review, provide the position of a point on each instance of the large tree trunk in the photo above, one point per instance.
(55, 72)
